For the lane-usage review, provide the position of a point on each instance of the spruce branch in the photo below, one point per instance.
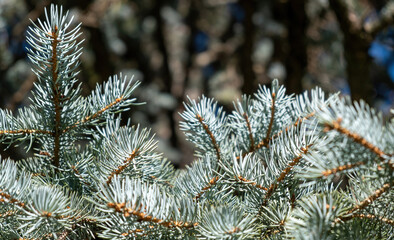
(227, 222)
(274, 229)
(82, 220)
(258, 174)
(205, 125)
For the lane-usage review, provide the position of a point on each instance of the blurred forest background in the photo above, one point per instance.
(219, 48)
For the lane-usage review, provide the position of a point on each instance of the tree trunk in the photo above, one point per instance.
(246, 50)
(291, 49)
(356, 43)
(296, 61)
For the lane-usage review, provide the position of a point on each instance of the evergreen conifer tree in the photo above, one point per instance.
(268, 170)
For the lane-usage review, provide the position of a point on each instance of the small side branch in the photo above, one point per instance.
(363, 204)
(7, 214)
(251, 148)
(275, 230)
(210, 134)
(336, 125)
(127, 212)
(299, 121)
(25, 131)
(252, 183)
(96, 114)
(10, 199)
(65, 233)
(234, 230)
(263, 143)
(284, 173)
(373, 217)
(78, 174)
(122, 167)
(132, 232)
(212, 183)
(56, 98)
(267, 137)
(329, 172)
(371, 198)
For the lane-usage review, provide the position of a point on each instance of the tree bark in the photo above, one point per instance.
(297, 59)
(166, 73)
(246, 50)
(291, 49)
(356, 43)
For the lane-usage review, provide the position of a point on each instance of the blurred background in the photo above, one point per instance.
(219, 48)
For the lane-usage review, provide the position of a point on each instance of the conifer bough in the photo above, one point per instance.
(268, 170)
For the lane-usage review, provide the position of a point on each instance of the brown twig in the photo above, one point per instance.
(267, 137)
(26, 131)
(121, 208)
(126, 163)
(292, 200)
(7, 214)
(252, 183)
(234, 230)
(336, 125)
(251, 148)
(65, 233)
(56, 97)
(367, 201)
(10, 199)
(212, 183)
(95, 115)
(263, 143)
(342, 168)
(210, 134)
(363, 204)
(131, 232)
(80, 176)
(370, 216)
(296, 123)
(284, 173)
